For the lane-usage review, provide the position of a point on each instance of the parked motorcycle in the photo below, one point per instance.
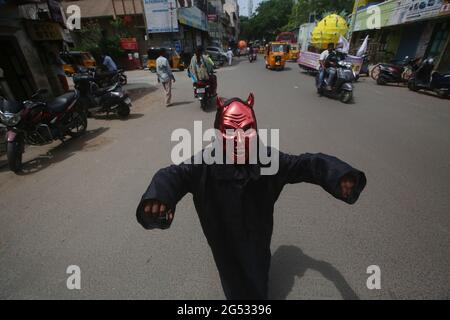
(107, 79)
(36, 122)
(342, 87)
(395, 72)
(424, 78)
(95, 100)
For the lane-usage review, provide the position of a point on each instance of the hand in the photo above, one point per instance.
(347, 184)
(156, 209)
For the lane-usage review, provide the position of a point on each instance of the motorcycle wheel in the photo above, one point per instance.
(80, 124)
(443, 94)
(320, 91)
(14, 155)
(123, 80)
(412, 86)
(123, 111)
(346, 96)
(204, 104)
(381, 81)
(375, 74)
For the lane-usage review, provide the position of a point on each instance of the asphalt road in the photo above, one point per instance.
(74, 204)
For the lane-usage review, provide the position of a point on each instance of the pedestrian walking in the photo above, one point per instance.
(165, 76)
(230, 56)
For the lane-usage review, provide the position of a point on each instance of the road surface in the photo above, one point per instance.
(74, 204)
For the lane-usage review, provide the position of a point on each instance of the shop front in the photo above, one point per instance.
(29, 56)
(404, 28)
(181, 28)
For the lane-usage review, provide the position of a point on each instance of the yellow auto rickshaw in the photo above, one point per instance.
(293, 52)
(276, 55)
(171, 55)
(74, 59)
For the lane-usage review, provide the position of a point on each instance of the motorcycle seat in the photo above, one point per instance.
(102, 91)
(60, 104)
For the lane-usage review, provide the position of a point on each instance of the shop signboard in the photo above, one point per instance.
(129, 44)
(397, 12)
(193, 17)
(212, 17)
(161, 16)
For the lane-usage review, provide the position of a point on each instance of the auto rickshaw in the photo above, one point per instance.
(293, 52)
(276, 55)
(74, 59)
(172, 55)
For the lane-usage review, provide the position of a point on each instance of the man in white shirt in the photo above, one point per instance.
(230, 56)
(323, 57)
(165, 76)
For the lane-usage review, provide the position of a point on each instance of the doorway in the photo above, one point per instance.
(16, 72)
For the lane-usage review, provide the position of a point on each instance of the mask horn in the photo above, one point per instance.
(251, 100)
(220, 103)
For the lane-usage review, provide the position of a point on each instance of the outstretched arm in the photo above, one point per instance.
(168, 186)
(335, 176)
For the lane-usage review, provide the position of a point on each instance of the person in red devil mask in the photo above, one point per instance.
(235, 202)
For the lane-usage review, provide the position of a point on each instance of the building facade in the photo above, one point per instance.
(32, 34)
(223, 22)
(178, 24)
(400, 28)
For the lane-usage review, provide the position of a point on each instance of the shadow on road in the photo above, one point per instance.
(180, 103)
(115, 116)
(139, 90)
(59, 153)
(431, 94)
(289, 262)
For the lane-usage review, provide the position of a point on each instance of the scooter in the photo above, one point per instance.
(110, 79)
(36, 122)
(424, 78)
(95, 100)
(342, 87)
(202, 91)
(252, 57)
(396, 72)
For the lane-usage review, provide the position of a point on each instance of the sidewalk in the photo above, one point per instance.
(140, 84)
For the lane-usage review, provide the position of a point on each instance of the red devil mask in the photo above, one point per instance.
(236, 120)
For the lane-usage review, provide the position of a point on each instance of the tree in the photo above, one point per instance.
(95, 40)
(320, 8)
(270, 18)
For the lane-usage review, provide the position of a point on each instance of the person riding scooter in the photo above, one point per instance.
(331, 63)
(202, 69)
(323, 57)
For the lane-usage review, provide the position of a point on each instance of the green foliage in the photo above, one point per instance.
(89, 37)
(320, 8)
(270, 17)
(274, 16)
(93, 39)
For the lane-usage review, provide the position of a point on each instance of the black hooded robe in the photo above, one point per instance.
(235, 206)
